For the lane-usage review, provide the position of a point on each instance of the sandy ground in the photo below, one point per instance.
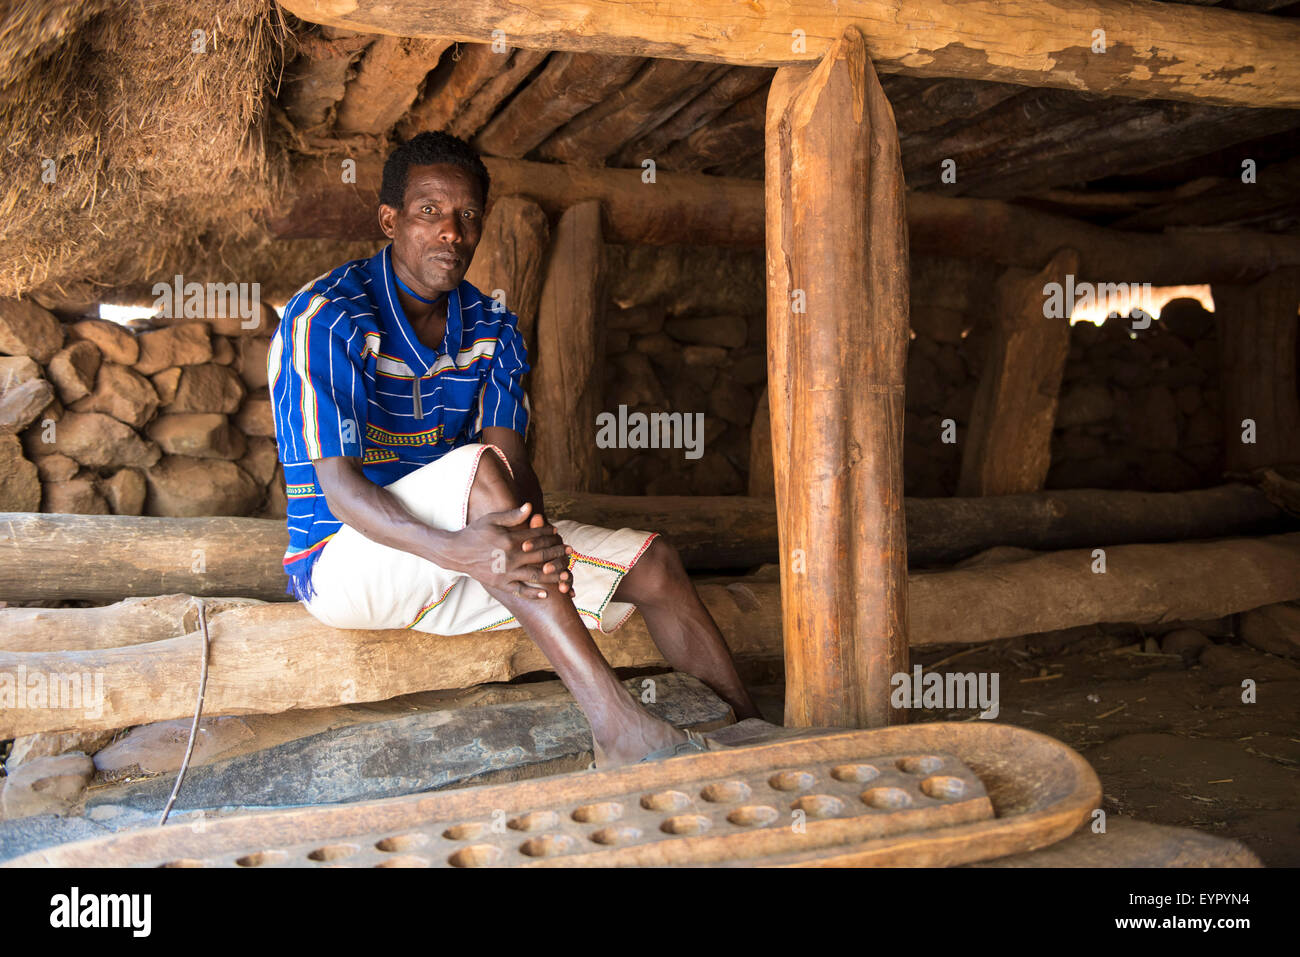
(1170, 736)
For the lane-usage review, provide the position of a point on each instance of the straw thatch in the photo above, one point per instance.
(157, 134)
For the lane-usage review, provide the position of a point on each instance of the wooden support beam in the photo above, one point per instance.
(1257, 370)
(510, 258)
(45, 557)
(1165, 51)
(1008, 444)
(387, 83)
(566, 379)
(837, 353)
(726, 211)
(266, 659)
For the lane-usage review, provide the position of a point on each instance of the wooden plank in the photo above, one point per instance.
(837, 336)
(1008, 446)
(728, 211)
(270, 658)
(478, 109)
(659, 89)
(455, 81)
(929, 795)
(1167, 51)
(737, 132)
(316, 80)
(387, 83)
(566, 376)
(106, 557)
(567, 85)
(1225, 200)
(734, 85)
(1257, 370)
(1046, 138)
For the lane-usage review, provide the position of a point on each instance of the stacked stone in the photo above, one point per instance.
(170, 418)
(714, 365)
(1140, 408)
(685, 332)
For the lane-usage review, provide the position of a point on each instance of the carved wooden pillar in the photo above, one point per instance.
(1257, 369)
(566, 382)
(837, 272)
(1008, 447)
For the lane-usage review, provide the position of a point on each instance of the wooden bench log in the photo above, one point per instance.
(271, 658)
(47, 557)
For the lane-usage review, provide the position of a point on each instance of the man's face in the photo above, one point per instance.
(437, 229)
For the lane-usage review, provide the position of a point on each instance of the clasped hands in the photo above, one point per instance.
(514, 552)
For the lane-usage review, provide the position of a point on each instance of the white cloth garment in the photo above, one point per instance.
(362, 584)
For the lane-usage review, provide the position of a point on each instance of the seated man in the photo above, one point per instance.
(391, 377)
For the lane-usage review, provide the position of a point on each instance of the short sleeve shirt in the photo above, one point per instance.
(349, 377)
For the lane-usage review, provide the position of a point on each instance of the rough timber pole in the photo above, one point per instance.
(837, 328)
(1008, 448)
(1257, 361)
(565, 389)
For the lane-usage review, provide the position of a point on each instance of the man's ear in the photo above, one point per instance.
(387, 220)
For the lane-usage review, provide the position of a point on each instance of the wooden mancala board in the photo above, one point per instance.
(920, 795)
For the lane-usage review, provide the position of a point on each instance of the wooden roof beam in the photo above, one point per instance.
(727, 211)
(1167, 51)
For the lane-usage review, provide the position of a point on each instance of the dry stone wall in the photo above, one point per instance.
(169, 418)
(174, 418)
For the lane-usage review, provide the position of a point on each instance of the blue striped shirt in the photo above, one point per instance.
(345, 368)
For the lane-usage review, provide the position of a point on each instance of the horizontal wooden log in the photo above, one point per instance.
(1151, 49)
(728, 211)
(107, 557)
(127, 622)
(270, 658)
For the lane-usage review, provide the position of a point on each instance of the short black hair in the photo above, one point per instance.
(426, 149)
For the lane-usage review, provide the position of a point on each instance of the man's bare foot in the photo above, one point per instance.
(634, 743)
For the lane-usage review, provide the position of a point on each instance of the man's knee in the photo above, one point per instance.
(659, 569)
(493, 488)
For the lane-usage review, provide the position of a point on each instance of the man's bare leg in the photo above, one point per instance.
(681, 626)
(622, 730)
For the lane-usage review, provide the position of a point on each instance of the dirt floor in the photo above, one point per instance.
(1168, 733)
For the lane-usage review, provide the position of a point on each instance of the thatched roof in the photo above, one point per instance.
(165, 158)
(157, 136)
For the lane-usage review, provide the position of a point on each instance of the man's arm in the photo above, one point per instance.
(475, 550)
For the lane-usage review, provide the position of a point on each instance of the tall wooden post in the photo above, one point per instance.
(1008, 448)
(837, 281)
(510, 258)
(1257, 369)
(566, 383)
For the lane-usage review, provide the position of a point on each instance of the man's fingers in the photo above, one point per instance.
(541, 556)
(534, 539)
(511, 516)
(555, 576)
(529, 590)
